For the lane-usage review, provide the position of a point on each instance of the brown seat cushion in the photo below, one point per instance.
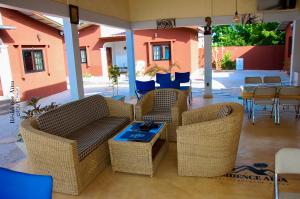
(159, 116)
(91, 136)
(72, 116)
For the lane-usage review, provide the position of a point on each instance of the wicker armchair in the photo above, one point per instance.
(163, 105)
(207, 146)
(60, 155)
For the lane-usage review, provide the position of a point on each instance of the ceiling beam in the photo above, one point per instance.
(57, 9)
(267, 16)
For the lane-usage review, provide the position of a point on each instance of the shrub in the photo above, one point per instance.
(36, 109)
(114, 73)
(227, 63)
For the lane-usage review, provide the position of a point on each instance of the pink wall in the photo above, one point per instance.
(255, 57)
(179, 40)
(89, 39)
(30, 33)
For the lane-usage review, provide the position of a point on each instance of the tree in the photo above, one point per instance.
(248, 34)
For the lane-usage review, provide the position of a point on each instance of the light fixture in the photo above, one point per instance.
(236, 17)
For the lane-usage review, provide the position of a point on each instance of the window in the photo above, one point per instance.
(83, 56)
(33, 60)
(161, 52)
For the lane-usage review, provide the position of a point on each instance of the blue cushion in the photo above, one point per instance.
(170, 84)
(160, 77)
(17, 185)
(182, 77)
(142, 87)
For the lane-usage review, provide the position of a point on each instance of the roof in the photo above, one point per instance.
(50, 22)
(117, 35)
(4, 27)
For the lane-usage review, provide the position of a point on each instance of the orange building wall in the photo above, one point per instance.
(31, 33)
(255, 57)
(180, 47)
(89, 39)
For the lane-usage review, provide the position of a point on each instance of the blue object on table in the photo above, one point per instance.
(18, 185)
(143, 87)
(132, 133)
(160, 77)
(184, 78)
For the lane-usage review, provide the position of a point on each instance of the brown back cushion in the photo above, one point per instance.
(164, 99)
(73, 116)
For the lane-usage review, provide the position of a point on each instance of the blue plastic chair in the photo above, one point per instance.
(17, 185)
(161, 77)
(184, 78)
(168, 83)
(143, 87)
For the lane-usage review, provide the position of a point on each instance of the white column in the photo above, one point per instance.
(295, 58)
(130, 61)
(104, 63)
(207, 66)
(73, 59)
(5, 72)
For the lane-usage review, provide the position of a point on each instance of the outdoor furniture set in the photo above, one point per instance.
(269, 92)
(165, 81)
(76, 141)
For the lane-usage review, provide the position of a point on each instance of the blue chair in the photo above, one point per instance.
(168, 83)
(185, 78)
(143, 87)
(17, 185)
(161, 77)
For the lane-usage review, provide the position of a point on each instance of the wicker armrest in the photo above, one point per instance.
(179, 108)
(50, 154)
(189, 133)
(119, 108)
(199, 115)
(144, 106)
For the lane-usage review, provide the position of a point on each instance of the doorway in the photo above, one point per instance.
(109, 56)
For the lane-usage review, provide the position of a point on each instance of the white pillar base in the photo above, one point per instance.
(295, 58)
(207, 66)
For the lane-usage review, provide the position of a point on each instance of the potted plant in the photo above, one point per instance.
(156, 69)
(114, 74)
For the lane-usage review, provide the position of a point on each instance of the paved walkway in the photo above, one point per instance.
(226, 87)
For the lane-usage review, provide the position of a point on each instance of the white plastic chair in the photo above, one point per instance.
(287, 96)
(287, 161)
(276, 80)
(264, 96)
(253, 80)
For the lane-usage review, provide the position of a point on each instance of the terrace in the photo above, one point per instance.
(253, 174)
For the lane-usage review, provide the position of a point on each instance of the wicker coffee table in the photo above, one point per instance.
(135, 156)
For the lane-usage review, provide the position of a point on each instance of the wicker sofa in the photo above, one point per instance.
(70, 142)
(207, 143)
(163, 105)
